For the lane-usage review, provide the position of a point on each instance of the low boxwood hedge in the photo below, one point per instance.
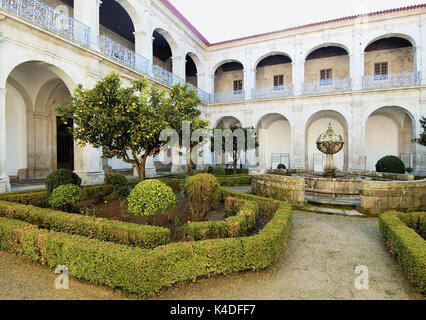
(238, 225)
(408, 247)
(102, 229)
(144, 271)
(416, 221)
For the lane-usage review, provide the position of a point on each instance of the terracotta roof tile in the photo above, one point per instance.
(185, 21)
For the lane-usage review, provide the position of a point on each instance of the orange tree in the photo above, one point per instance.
(422, 139)
(126, 122)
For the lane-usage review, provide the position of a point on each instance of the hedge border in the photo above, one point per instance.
(239, 225)
(416, 221)
(102, 229)
(142, 271)
(408, 247)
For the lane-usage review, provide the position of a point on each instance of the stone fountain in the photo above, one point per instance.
(330, 143)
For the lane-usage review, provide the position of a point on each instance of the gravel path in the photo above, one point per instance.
(319, 263)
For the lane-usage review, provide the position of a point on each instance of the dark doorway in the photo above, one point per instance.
(65, 144)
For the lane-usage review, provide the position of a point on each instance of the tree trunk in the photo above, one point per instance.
(189, 163)
(235, 163)
(140, 168)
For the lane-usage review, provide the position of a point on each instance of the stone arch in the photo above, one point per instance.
(269, 54)
(389, 35)
(225, 121)
(389, 130)
(274, 133)
(327, 44)
(169, 38)
(316, 124)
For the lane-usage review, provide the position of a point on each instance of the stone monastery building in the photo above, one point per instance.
(364, 74)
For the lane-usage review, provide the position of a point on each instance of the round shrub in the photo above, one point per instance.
(281, 166)
(219, 171)
(116, 180)
(123, 192)
(202, 192)
(64, 197)
(61, 177)
(390, 164)
(151, 197)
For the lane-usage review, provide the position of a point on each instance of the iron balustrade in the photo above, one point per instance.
(327, 85)
(49, 18)
(273, 92)
(228, 96)
(392, 80)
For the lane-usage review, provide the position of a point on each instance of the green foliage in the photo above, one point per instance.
(37, 198)
(119, 119)
(202, 193)
(239, 225)
(123, 192)
(146, 272)
(281, 166)
(390, 164)
(219, 171)
(102, 229)
(151, 197)
(408, 247)
(116, 180)
(65, 196)
(181, 176)
(409, 170)
(416, 221)
(422, 139)
(61, 177)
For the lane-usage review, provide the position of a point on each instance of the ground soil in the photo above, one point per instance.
(319, 263)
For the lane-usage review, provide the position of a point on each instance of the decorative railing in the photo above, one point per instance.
(228, 96)
(330, 85)
(273, 92)
(204, 96)
(394, 80)
(47, 17)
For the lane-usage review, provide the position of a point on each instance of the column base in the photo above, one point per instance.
(90, 178)
(5, 185)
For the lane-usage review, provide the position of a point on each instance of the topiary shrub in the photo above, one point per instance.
(202, 192)
(61, 177)
(116, 180)
(151, 197)
(390, 164)
(219, 171)
(281, 166)
(64, 197)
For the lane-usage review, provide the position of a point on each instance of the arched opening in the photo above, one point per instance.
(162, 50)
(37, 142)
(389, 132)
(191, 71)
(229, 82)
(327, 70)
(274, 75)
(226, 123)
(274, 138)
(389, 62)
(318, 124)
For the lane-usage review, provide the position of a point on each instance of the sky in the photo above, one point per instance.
(220, 20)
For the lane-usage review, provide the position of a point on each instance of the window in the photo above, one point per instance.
(279, 82)
(238, 86)
(326, 77)
(381, 71)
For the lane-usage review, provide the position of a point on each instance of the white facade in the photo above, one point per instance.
(43, 57)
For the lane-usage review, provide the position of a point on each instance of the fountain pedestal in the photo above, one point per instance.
(330, 143)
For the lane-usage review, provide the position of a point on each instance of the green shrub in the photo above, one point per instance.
(202, 193)
(36, 198)
(116, 180)
(242, 221)
(64, 197)
(181, 176)
(408, 247)
(102, 229)
(234, 180)
(146, 272)
(390, 164)
(416, 221)
(61, 177)
(281, 166)
(123, 192)
(151, 197)
(219, 171)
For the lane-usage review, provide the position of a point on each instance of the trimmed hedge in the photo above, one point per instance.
(37, 198)
(143, 271)
(407, 246)
(102, 229)
(238, 225)
(416, 221)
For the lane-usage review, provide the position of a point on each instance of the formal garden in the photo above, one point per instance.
(142, 235)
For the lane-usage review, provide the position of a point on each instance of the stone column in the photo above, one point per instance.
(263, 149)
(420, 151)
(176, 160)
(356, 152)
(249, 82)
(143, 49)
(298, 75)
(87, 12)
(179, 64)
(4, 179)
(298, 139)
(357, 61)
(420, 54)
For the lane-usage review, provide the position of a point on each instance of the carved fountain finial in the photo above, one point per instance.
(330, 143)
